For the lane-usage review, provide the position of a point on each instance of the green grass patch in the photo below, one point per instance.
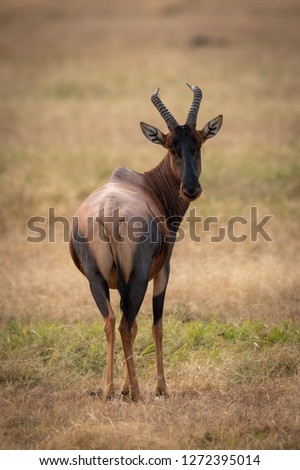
(56, 354)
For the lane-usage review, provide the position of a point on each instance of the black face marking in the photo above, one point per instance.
(187, 160)
(184, 139)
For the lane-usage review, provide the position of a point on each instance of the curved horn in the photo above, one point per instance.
(165, 113)
(191, 120)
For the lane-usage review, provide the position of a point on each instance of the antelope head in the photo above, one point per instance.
(183, 142)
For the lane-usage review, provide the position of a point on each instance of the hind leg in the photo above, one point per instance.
(131, 383)
(131, 301)
(100, 291)
(109, 328)
(90, 256)
(125, 384)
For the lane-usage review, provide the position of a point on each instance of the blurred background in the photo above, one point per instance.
(76, 79)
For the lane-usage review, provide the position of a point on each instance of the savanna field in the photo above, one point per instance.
(76, 80)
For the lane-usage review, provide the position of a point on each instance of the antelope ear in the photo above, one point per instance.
(153, 134)
(212, 127)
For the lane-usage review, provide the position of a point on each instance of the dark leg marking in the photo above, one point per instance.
(100, 291)
(157, 329)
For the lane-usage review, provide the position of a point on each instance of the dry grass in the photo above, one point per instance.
(75, 82)
(195, 419)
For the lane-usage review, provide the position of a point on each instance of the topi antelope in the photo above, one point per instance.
(103, 247)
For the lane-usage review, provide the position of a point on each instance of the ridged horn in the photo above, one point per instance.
(191, 120)
(165, 113)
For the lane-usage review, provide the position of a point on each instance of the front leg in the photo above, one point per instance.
(159, 291)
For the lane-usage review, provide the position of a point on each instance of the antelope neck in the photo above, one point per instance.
(162, 183)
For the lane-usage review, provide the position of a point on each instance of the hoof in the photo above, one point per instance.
(96, 394)
(137, 399)
(109, 396)
(161, 394)
(125, 392)
(126, 396)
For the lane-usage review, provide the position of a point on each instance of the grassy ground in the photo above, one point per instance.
(76, 79)
(231, 385)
